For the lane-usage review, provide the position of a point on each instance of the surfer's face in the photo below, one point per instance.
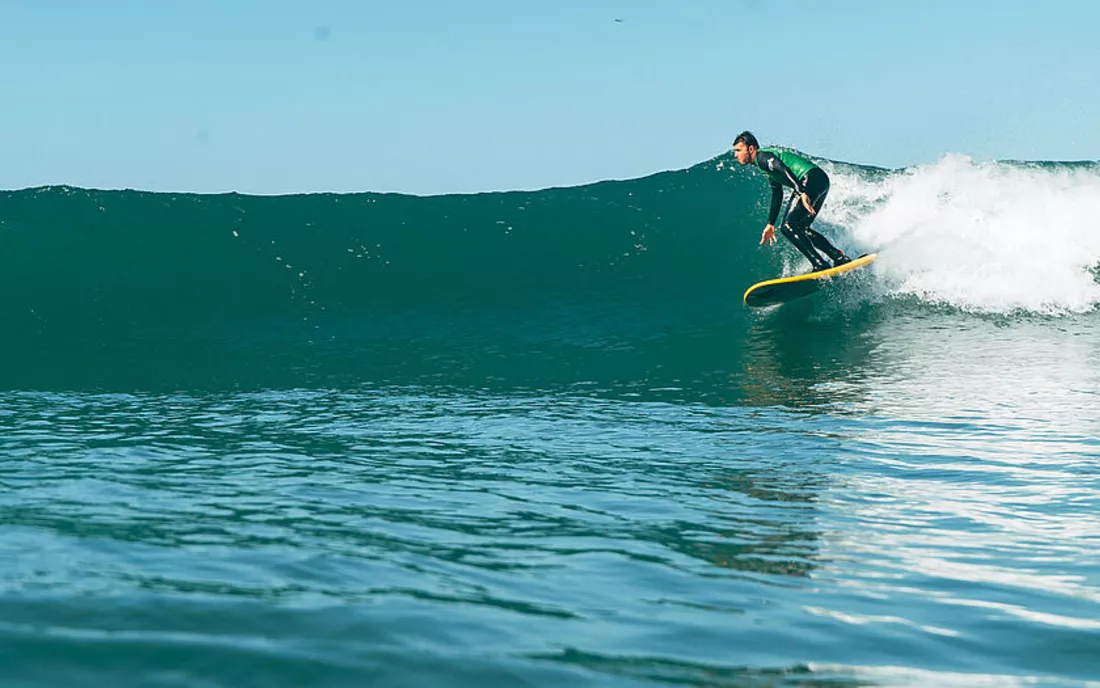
(742, 152)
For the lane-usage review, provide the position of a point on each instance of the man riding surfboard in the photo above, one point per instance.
(810, 184)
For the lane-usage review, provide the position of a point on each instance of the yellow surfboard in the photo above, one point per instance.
(784, 289)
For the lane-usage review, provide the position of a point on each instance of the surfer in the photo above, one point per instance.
(810, 184)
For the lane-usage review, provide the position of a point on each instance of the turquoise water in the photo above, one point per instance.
(534, 439)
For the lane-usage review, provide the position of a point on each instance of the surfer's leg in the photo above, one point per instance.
(822, 244)
(802, 243)
(817, 186)
(798, 219)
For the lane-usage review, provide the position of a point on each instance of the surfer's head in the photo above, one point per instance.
(744, 147)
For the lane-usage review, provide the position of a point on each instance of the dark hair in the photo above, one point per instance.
(746, 138)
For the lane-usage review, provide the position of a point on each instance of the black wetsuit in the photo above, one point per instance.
(812, 181)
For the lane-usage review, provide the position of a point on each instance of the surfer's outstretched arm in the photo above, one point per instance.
(777, 201)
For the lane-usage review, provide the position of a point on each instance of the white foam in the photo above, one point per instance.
(986, 237)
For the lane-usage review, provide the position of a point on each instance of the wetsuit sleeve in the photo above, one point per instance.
(777, 201)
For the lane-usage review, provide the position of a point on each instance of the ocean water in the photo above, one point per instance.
(535, 439)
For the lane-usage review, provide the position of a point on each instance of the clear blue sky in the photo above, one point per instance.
(431, 96)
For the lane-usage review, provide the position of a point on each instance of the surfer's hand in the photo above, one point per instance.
(768, 237)
(807, 205)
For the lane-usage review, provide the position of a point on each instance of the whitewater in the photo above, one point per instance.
(983, 237)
